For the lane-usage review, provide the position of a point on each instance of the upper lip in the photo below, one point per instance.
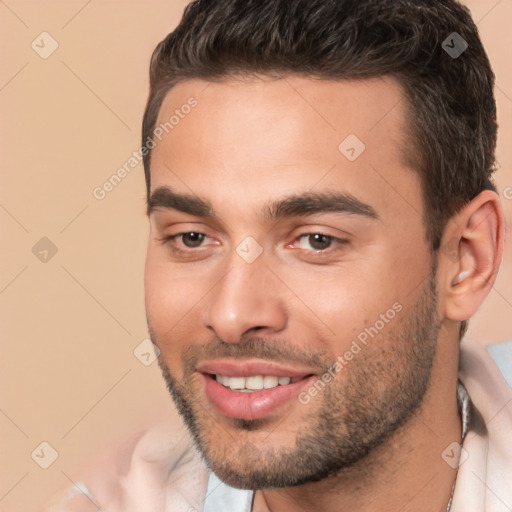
(251, 367)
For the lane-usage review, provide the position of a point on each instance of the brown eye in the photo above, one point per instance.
(319, 242)
(192, 239)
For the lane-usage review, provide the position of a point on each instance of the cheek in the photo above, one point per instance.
(166, 318)
(157, 291)
(340, 302)
(169, 298)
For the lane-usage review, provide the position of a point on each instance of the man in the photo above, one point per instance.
(323, 224)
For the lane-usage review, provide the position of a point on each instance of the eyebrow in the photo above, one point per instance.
(166, 199)
(311, 203)
(296, 205)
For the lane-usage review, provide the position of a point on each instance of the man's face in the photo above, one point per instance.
(288, 260)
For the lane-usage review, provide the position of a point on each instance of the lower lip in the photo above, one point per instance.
(251, 405)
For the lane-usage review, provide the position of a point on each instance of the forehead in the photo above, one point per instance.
(258, 138)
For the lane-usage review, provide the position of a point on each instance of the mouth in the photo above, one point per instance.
(252, 389)
(254, 382)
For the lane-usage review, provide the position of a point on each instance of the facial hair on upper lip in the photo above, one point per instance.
(378, 393)
(272, 351)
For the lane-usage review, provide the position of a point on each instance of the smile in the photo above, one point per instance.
(254, 382)
(252, 389)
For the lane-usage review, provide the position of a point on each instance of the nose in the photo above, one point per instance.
(248, 298)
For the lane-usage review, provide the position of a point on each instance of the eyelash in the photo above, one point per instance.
(170, 240)
(332, 239)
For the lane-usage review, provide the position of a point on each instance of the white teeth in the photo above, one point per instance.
(254, 382)
(270, 382)
(237, 382)
(223, 380)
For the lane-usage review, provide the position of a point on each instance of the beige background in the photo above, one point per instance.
(70, 325)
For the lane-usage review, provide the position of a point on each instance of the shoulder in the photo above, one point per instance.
(502, 355)
(154, 469)
(485, 467)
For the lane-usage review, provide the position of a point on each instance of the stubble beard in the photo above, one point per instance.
(368, 400)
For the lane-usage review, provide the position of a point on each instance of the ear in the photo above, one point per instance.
(470, 256)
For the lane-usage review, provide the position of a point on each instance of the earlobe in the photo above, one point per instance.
(476, 236)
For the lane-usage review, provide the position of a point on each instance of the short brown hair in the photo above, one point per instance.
(451, 114)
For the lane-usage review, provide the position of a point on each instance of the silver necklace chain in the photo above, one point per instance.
(465, 413)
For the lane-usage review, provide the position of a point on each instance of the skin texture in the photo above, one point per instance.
(372, 439)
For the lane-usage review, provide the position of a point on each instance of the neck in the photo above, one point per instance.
(405, 473)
